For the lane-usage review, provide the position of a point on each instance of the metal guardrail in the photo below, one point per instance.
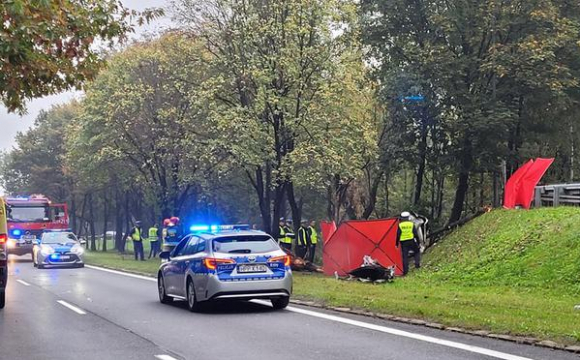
(556, 195)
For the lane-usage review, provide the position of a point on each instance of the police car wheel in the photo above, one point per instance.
(192, 303)
(163, 298)
(2, 299)
(280, 303)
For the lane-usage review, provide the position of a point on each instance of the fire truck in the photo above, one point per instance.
(28, 217)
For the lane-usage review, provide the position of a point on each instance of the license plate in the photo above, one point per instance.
(28, 237)
(65, 257)
(252, 268)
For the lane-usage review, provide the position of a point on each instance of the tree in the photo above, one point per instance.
(483, 61)
(144, 117)
(275, 63)
(49, 46)
(36, 164)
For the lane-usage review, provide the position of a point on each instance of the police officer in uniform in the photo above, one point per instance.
(136, 234)
(303, 241)
(408, 238)
(154, 241)
(313, 240)
(284, 239)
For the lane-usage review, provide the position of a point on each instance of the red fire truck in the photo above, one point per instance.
(28, 217)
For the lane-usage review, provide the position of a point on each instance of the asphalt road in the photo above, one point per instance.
(93, 314)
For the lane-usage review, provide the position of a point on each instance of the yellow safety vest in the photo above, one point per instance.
(283, 238)
(136, 234)
(302, 235)
(153, 233)
(313, 235)
(406, 230)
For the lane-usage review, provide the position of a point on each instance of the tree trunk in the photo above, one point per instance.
(82, 217)
(374, 189)
(105, 219)
(73, 213)
(422, 162)
(462, 183)
(92, 223)
(127, 222)
(295, 206)
(118, 222)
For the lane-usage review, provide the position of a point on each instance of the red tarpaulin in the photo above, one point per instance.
(519, 189)
(512, 185)
(530, 180)
(344, 250)
(328, 228)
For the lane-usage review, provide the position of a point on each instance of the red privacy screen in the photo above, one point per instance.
(519, 189)
(344, 249)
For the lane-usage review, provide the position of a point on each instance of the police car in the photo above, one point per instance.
(57, 248)
(225, 262)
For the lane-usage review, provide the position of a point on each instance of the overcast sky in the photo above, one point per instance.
(13, 123)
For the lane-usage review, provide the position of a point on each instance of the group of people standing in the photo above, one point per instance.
(306, 238)
(136, 234)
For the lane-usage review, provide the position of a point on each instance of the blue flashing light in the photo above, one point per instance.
(217, 228)
(413, 98)
(16, 232)
(195, 228)
(54, 256)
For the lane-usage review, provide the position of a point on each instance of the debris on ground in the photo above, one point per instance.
(299, 264)
(370, 271)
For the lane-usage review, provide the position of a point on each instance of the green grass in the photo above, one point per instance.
(115, 260)
(547, 314)
(509, 272)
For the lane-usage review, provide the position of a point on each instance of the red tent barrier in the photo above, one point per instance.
(344, 250)
(530, 180)
(512, 185)
(328, 229)
(519, 189)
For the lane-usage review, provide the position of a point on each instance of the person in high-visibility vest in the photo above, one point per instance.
(303, 240)
(408, 238)
(154, 241)
(313, 240)
(283, 239)
(136, 234)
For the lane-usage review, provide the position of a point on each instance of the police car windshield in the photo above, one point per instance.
(244, 244)
(58, 238)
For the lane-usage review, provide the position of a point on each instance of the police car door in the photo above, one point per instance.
(198, 270)
(171, 271)
(183, 263)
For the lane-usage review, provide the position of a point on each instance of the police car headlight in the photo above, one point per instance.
(11, 244)
(77, 250)
(46, 250)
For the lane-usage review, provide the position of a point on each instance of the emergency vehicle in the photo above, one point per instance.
(3, 254)
(28, 217)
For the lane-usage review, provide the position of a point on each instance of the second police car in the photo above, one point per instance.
(226, 262)
(57, 248)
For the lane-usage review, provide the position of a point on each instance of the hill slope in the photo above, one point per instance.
(535, 248)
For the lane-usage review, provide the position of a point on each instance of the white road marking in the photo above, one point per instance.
(425, 338)
(361, 324)
(23, 282)
(122, 273)
(165, 357)
(72, 307)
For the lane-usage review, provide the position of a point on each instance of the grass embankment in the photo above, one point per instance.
(515, 272)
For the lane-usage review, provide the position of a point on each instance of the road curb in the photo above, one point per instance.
(134, 272)
(481, 333)
(346, 310)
